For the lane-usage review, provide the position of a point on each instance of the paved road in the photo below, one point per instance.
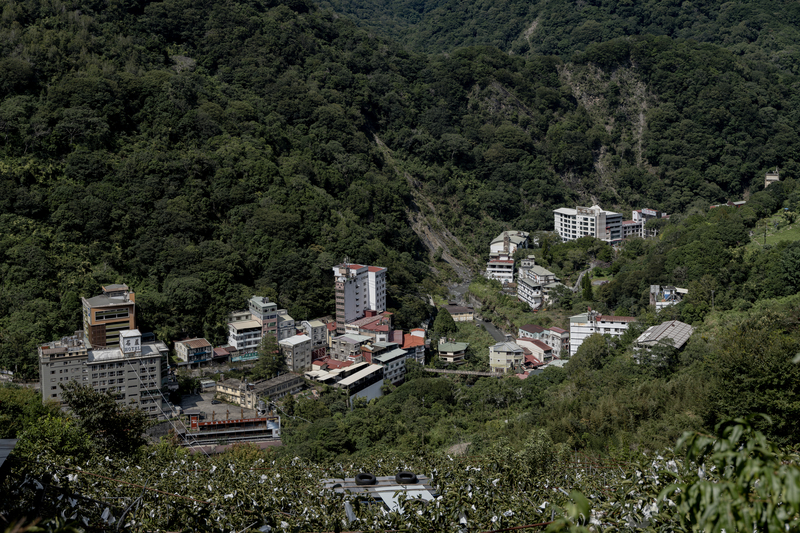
(498, 335)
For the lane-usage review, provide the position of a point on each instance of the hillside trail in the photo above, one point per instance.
(429, 228)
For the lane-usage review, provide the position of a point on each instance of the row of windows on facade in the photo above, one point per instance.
(103, 366)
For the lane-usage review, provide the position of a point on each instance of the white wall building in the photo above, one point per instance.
(244, 335)
(286, 326)
(358, 288)
(586, 324)
(316, 330)
(500, 267)
(558, 339)
(529, 292)
(571, 224)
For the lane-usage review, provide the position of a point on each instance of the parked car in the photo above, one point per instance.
(215, 402)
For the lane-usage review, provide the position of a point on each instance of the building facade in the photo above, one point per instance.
(453, 353)
(571, 224)
(358, 288)
(586, 324)
(393, 363)
(194, 352)
(509, 241)
(297, 352)
(505, 356)
(104, 316)
(348, 347)
(500, 267)
(558, 339)
(460, 313)
(132, 372)
(530, 292)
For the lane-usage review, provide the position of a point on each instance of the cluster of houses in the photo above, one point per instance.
(536, 347)
(533, 282)
(354, 351)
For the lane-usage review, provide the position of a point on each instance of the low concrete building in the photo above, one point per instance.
(538, 349)
(297, 352)
(662, 296)
(541, 276)
(393, 363)
(506, 356)
(247, 394)
(373, 324)
(460, 313)
(348, 347)
(414, 344)
(359, 380)
(194, 352)
(509, 241)
(530, 331)
(453, 353)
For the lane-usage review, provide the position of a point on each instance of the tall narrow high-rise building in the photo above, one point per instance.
(359, 288)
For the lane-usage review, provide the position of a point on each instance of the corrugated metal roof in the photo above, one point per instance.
(679, 332)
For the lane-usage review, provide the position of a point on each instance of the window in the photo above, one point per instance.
(53, 387)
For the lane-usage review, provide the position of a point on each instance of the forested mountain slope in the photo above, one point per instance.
(752, 27)
(202, 151)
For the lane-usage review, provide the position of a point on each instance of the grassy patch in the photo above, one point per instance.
(783, 232)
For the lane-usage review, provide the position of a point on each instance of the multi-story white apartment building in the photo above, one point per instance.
(358, 288)
(244, 336)
(286, 326)
(501, 255)
(558, 339)
(132, 371)
(529, 292)
(636, 226)
(587, 324)
(297, 352)
(262, 317)
(500, 267)
(315, 329)
(571, 224)
(504, 356)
